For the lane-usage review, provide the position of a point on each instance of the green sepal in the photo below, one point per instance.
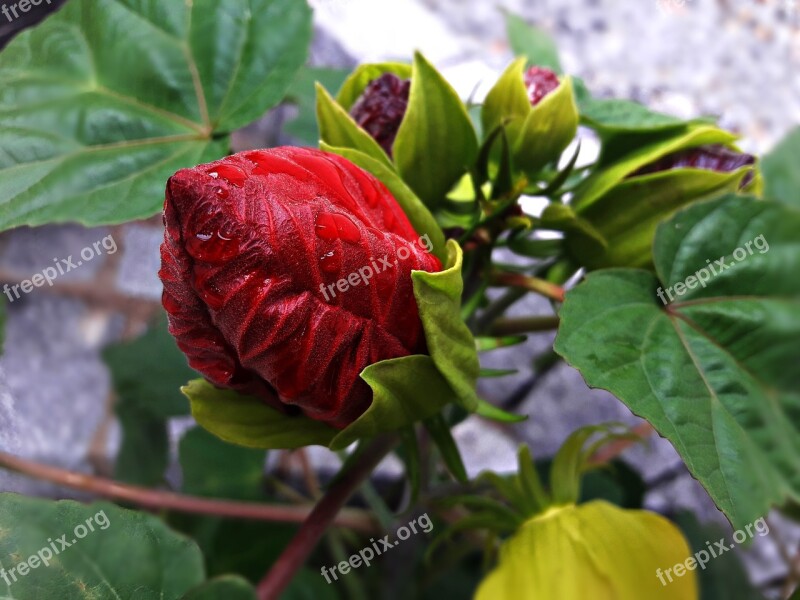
(450, 342)
(441, 435)
(625, 154)
(490, 411)
(363, 75)
(338, 129)
(436, 143)
(548, 129)
(507, 100)
(628, 219)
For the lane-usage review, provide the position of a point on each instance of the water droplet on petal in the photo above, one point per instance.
(330, 262)
(212, 246)
(330, 226)
(230, 173)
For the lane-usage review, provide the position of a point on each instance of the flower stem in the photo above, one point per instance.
(503, 327)
(322, 516)
(160, 500)
(533, 284)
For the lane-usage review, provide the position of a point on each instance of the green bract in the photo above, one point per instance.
(436, 143)
(537, 135)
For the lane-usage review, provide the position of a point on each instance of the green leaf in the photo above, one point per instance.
(533, 43)
(247, 421)
(420, 217)
(495, 413)
(303, 94)
(146, 375)
(561, 217)
(484, 344)
(105, 99)
(441, 435)
(781, 175)
(404, 390)
(218, 469)
(548, 129)
(715, 372)
(229, 587)
(436, 143)
(507, 100)
(450, 342)
(625, 154)
(122, 554)
(309, 585)
(629, 219)
(610, 117)
(339, 130)
(363, 75)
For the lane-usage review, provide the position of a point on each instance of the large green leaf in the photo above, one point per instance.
(104, 100)
(716, 371)
(111, 552)
(533, 43)
(781, 172)
(223, 588)
(436, 143)
(146, 375)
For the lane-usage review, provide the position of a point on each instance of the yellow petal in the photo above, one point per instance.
(596, 550)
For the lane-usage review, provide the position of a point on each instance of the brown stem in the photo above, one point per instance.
(503, 327)
(533, 284)
(154, 499)
(305, 540)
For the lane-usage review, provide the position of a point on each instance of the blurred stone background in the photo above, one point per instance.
(736, 59)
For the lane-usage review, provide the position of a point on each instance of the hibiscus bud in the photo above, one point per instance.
(288, 271)
(381, 108)
(539, 82)
(712, 157)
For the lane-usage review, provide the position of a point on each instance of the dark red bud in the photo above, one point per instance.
(539, 82)
(710, 157)
(381, 108)
(257, 251)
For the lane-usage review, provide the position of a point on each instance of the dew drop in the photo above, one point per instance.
(330, 226)
(233, 175)
(213, 246)
(330, 262)
(222, 193)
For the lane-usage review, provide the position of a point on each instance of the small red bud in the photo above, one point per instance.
(539, 82)
(381, 108)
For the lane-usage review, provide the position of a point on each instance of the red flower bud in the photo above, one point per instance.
(381, 108)
(259, 251)
(711, 157)
(539, 82)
